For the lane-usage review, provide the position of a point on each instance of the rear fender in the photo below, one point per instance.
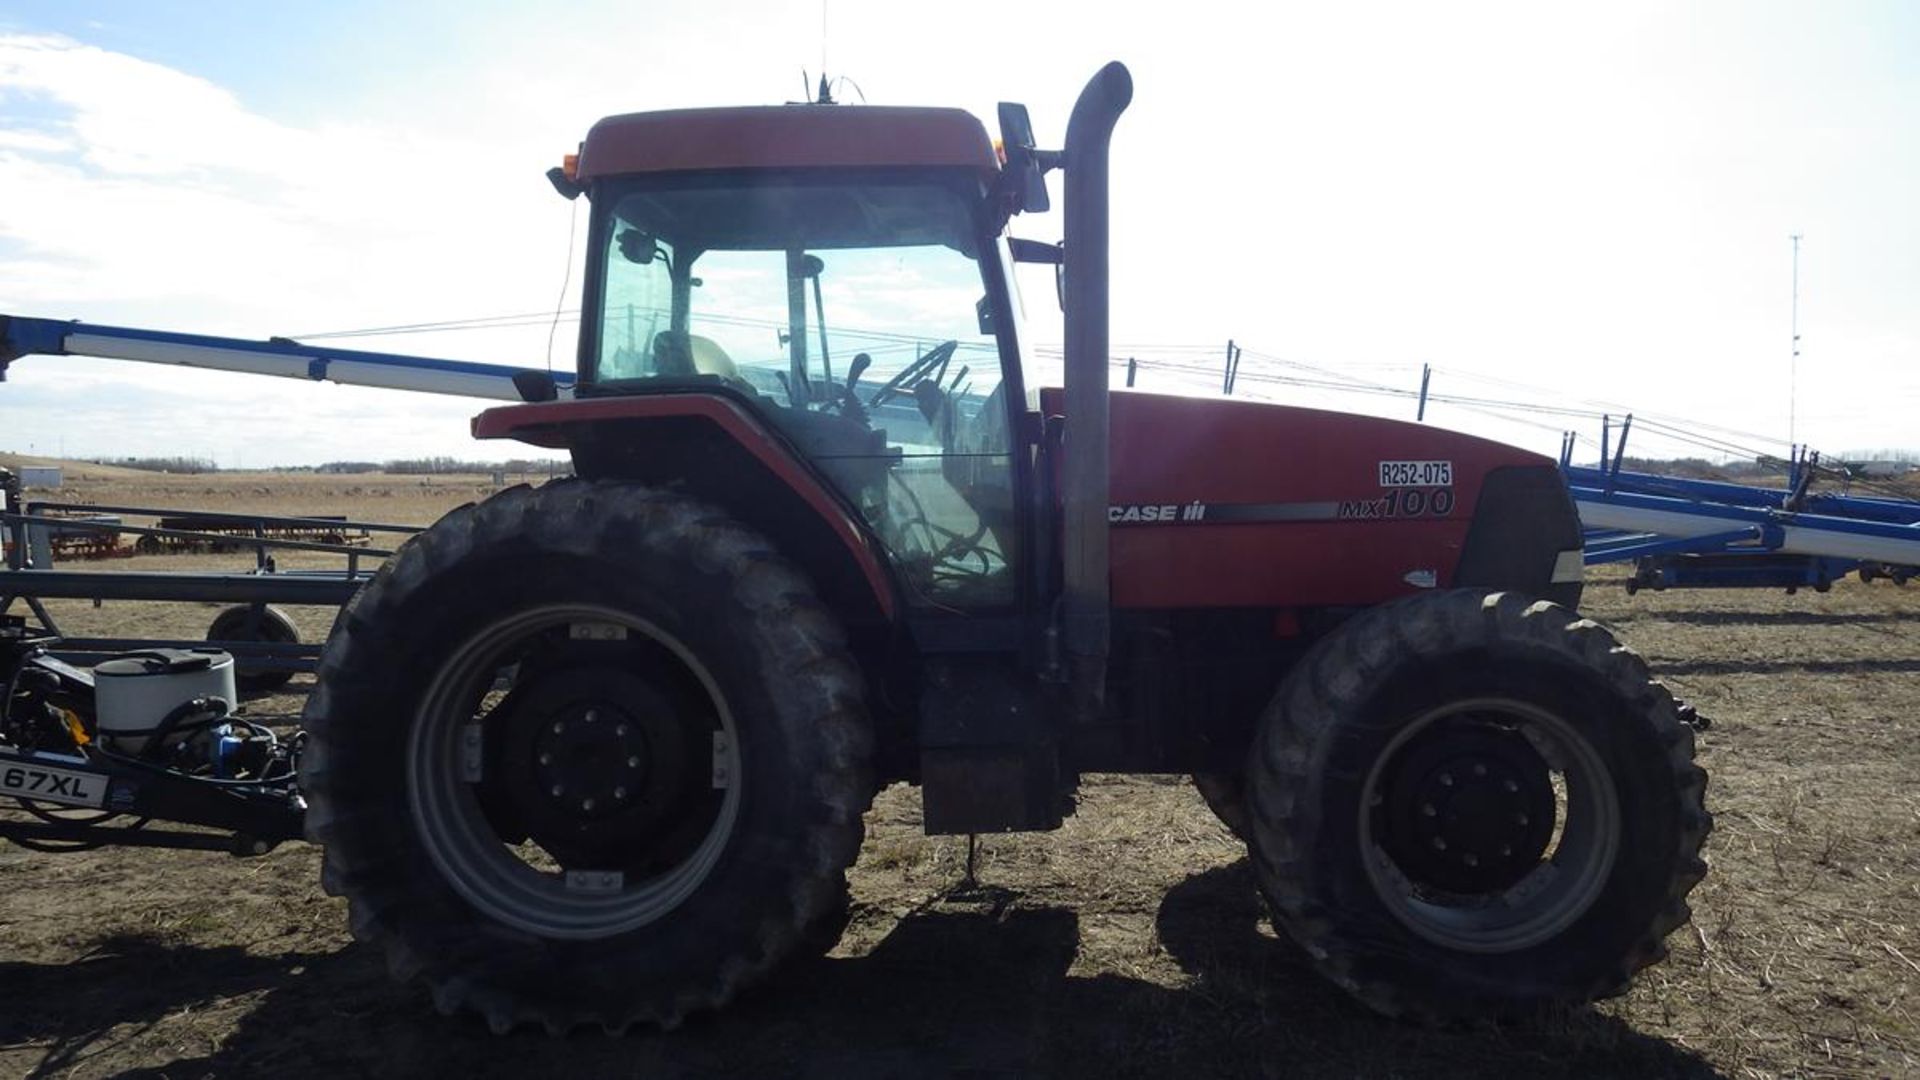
(711, 447)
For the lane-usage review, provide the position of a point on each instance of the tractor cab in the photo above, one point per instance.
(838, 272)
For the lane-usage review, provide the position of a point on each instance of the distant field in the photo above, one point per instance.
(400, 500)
(1130, 942)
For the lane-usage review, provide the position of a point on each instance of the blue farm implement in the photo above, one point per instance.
(20, 336)
(35, 534)
(1684, 533)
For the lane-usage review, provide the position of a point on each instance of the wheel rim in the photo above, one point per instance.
(1451, 829)
(545, 896)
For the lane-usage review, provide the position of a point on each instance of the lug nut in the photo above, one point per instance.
(619, 793)
(592, 716)
(1506, 849)
(586, 804)
(1427, 810)
(621, 730)
(1439, 844)
(1479, 769)
(1470, 860)
(558, 727)
(1522, 819)
(558, 791)
(633, 762)
(546, 759)
(1510, 786)
(1446, 779)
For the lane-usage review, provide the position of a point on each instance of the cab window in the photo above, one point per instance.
(852, 316)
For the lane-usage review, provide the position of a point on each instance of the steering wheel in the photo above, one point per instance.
(939, 354)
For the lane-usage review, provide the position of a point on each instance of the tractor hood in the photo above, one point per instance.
(1223, 503)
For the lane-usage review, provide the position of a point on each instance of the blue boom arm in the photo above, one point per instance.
(281, 357)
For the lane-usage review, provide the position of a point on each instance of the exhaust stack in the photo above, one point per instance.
(1085, 555)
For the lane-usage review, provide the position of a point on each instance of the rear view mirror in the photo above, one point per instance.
(1054, 255)
(1025, 169)
(637, 247)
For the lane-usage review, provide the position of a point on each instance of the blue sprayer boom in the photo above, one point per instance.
(1700, 533)
(283, 357)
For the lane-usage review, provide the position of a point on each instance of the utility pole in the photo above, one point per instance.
(1426, 372)
(1793, 363)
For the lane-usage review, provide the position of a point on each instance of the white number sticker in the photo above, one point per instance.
(51, 785)
(1395, 474)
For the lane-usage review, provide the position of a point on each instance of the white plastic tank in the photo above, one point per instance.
(134, 692)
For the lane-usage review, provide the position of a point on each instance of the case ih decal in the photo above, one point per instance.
(1400, 502)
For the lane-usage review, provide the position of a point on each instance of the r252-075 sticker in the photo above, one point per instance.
(1423, 474)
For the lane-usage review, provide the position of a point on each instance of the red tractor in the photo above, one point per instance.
(597, 752)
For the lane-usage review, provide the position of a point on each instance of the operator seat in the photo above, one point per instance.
(676, 352)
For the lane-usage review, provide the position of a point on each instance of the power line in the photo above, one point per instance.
(1183, 359)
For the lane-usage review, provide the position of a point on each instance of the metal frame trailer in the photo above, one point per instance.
(30, 577)
(105, 797)
(32, 581)
(1684, 533)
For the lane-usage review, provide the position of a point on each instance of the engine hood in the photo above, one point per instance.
(1217, 502)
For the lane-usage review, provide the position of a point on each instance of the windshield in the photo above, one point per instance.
(781, 285)
(855, 317)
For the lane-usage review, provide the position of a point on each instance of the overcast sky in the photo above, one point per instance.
(1557, 204)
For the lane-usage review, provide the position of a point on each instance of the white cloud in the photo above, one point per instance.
(134, 194)
(132, 117)
(1593, 201)
(168, 187)
(32, 142)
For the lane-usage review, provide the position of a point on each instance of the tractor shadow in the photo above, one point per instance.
(1764, 666)
(124, 989)
(1768, 618)
(986, 993)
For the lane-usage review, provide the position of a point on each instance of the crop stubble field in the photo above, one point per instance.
(1130, 942)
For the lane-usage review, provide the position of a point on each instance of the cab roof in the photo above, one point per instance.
(785, 136)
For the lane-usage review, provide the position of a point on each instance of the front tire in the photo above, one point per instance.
(587, 754)
(1468, 806)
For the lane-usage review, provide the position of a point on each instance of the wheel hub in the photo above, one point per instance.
(599, 768)
(593, 759)
(1469, 808)
(474, 779)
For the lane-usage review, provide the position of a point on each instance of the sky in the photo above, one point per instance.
(1584, 208)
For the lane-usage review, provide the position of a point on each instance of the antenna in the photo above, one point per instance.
(1793, 363)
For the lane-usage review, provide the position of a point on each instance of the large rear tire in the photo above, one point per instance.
(1468, 806)
(587, 754)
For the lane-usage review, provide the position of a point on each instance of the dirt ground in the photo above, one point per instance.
(1130, 942)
